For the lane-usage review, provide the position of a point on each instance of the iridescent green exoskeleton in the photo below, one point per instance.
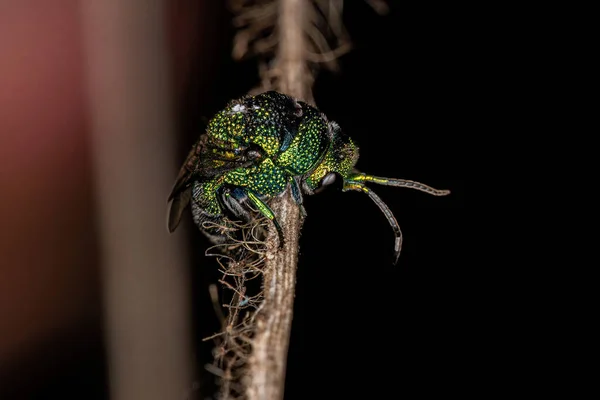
(259, 146)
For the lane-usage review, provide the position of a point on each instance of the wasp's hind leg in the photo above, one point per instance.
(233, 199)
(214, 216)
(213, 226)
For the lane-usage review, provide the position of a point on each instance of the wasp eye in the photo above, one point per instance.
(328, 180)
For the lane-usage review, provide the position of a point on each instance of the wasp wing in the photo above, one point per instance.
(207, 160)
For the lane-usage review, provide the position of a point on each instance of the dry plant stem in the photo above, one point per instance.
(274, 319)
(288, 36)
(291, 55)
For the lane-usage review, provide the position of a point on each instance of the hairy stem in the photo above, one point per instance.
(267, 363)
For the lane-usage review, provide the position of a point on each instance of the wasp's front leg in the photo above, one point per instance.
(265, 210)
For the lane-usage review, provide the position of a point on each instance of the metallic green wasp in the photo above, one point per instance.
(255, 149)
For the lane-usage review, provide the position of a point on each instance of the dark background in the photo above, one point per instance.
(407, 93)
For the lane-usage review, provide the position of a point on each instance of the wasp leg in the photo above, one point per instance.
(232, 199)
(297, 195)
(267, 212)
(213, 226)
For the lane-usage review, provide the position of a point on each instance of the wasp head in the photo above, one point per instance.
(339, 160)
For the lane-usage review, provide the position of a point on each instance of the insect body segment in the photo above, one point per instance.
(255, 149)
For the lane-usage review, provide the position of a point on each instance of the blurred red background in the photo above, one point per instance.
(49, 286)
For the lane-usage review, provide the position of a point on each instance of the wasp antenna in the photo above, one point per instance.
(399, 183)
(391, 219)
(386, 211)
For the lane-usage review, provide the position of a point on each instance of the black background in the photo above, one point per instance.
(405, 93)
